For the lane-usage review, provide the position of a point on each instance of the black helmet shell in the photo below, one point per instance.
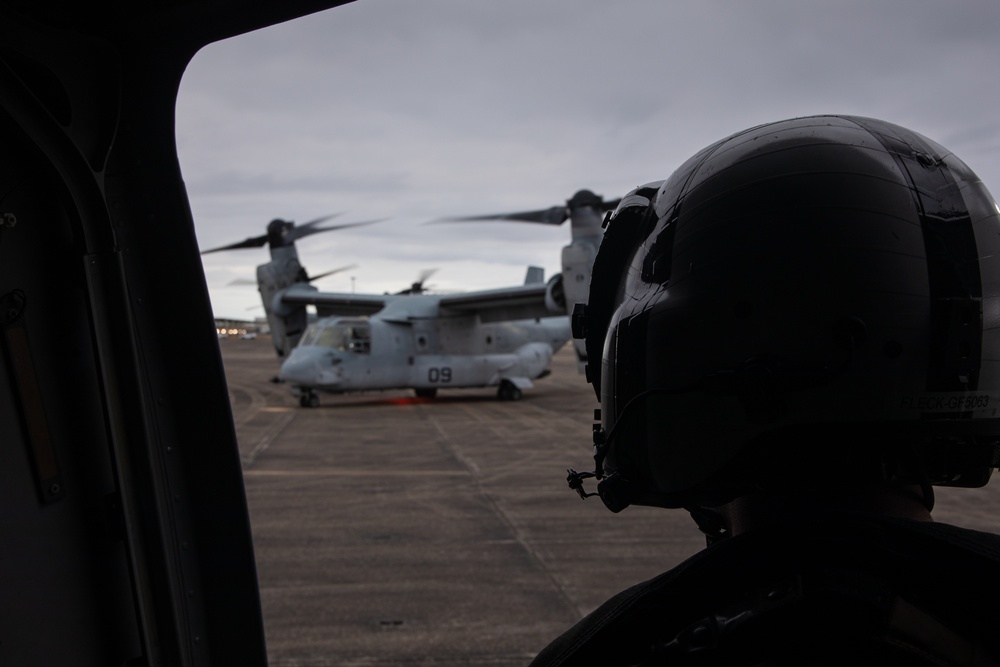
(815, 283)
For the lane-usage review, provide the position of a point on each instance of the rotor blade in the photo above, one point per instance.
(425, 274)
(296, 233)
(313, 223)
(300, 232)
(554, 215)
(307, 228)
(330, 273)
(252, 242)
(241, 281)
(610, 204)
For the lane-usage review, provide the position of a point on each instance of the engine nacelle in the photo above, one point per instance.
(555, 295)
(287, 322)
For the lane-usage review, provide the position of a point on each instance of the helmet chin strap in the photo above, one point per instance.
(710, 522)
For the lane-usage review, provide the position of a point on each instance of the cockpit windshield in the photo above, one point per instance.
(345, 336)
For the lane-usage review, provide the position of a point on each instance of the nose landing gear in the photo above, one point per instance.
(309, 399)
(508, 391)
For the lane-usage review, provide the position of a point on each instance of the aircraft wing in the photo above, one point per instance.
(508, 303)
(334, 303)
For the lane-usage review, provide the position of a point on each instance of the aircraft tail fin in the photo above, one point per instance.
(534, 276)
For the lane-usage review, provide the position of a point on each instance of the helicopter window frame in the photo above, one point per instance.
(310, 335)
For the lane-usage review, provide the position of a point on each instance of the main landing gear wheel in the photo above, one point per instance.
(427, 392)
(309, 400)
(508, 391)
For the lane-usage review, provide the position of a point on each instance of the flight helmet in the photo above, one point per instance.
(816, 298)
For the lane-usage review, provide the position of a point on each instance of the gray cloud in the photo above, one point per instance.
(415, 110)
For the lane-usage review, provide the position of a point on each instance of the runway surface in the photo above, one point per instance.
(391, 530)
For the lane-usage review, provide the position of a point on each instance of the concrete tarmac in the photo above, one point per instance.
(391, 530)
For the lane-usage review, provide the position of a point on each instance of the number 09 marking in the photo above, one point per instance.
(442, 374)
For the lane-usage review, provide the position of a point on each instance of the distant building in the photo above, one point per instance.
(228, 327)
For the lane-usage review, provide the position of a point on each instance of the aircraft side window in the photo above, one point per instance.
(332, 337)
(360, 340)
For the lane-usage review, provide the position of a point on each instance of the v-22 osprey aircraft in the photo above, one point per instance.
(502, 337)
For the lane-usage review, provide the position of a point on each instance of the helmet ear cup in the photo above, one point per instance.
(625, 228)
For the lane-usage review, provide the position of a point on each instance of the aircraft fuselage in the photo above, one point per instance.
(343, 354)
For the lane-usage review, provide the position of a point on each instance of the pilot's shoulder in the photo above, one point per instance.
(610, 633)
(921, 561)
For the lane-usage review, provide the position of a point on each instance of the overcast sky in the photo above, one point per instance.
(414, 110)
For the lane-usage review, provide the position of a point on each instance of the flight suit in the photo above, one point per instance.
(841, 589)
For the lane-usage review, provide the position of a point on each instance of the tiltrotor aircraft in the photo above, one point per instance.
(503, 337)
